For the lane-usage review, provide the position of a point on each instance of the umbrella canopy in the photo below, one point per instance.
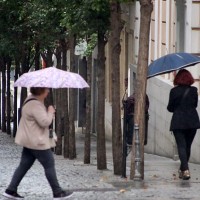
(171, 62)
(51, 77)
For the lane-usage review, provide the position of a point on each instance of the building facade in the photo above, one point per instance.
(175, 27)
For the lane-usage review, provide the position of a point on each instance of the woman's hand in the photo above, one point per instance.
(51, 109)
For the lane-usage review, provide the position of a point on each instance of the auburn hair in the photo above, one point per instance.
(183, 77)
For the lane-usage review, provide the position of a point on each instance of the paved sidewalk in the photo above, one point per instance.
(88, 183)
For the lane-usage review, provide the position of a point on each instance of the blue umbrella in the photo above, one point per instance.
(171, 62)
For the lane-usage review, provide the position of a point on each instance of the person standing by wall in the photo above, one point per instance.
(130, 120)
(183, 100)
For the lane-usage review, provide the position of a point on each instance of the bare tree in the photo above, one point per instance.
(65, 110)
(101, 143)
(8, 103)
(72, 139)
(116, 27)
(146, 8)
(59, 130)
(88, 113)
(4, 95)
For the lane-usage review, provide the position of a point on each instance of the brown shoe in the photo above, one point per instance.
(180, 174)
(186, 175)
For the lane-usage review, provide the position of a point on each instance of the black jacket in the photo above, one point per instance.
(183, 101)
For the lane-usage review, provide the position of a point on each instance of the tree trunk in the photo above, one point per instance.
(72, 140)
(66, 123)
(88, 113)
(15, 121)
(101, 143)
(47, 57)
(116, 27)
(8, 103)
(1, 67)
(49, 62)
(4, 96)
(23, 96)
(59, 101)
(37, 56)
(1, 100)
(65, 110)
(139, 115)
(25, 68)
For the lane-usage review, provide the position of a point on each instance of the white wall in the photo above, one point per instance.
(108, 120)
(160, 140)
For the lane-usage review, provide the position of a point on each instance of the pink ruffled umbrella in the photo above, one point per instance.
(51, 77)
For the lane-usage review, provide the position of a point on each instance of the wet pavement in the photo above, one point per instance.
(161, 177)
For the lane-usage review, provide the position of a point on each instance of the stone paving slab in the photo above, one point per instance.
(88, 183)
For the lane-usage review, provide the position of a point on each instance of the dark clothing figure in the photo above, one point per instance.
(45, 157)
(33, 136)
(183, 101)
(184, 139)
(185, 120)
(130, 118)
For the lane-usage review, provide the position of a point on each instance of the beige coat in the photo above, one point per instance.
(33, 130)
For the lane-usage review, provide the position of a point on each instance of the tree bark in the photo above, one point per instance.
(59, 101)
(101, 143)
(8, 103)
(87, 148)
(116, 27)
(15, 121)
(66, 123)
(4, 96)
(1, 67)
(65, 110)
(139, 115)
(25, 68)
(72, 140)
(37, 56)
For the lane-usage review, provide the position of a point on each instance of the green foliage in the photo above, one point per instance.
(85, 17)
(92, 42)
(25, 23)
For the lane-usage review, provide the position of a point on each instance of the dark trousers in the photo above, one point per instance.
(129, 128)
(28, 157)
(184, 139)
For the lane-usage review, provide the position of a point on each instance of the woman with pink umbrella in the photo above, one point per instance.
(33, 131)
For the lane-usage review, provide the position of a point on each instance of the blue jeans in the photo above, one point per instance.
(184, 139)
(28, 157)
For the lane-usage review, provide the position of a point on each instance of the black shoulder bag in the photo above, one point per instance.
(20, 109)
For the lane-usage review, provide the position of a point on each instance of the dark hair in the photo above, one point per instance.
(37, 91)
(184, 77)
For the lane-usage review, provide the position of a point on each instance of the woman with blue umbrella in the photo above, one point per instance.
(183, 102)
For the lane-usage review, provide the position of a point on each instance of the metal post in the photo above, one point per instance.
(138, 175)
(124, 141)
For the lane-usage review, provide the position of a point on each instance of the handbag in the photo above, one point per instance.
(53, 140)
